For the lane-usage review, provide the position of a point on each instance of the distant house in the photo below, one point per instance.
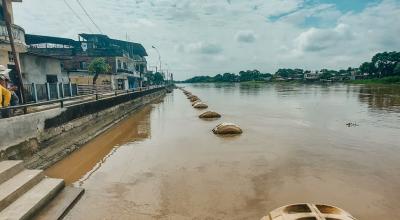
(127, 59)
(356, 74)
(312, 76)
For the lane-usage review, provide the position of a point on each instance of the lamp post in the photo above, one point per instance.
(159, 56)
(167, 77)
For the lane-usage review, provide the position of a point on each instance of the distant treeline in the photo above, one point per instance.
(243, 76)
(381, 65)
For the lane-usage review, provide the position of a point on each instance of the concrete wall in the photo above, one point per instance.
(43, 138)
(84, 78)
(35, 68)
(4, 57)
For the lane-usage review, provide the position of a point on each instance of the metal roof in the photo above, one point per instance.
(131, 47)
(39, 39)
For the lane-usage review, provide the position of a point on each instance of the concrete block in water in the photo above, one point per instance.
(210, 114)
(200, 105)
(308, 212)
(227, 128)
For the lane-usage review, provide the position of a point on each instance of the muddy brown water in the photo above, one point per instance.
(165, 163)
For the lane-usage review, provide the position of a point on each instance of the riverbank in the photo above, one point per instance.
(43, 138)
(393, 80)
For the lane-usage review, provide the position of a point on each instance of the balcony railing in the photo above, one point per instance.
(17, 31)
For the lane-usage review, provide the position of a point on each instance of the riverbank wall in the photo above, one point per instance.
(43, 138)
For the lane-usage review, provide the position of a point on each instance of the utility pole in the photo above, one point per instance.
(7, 18)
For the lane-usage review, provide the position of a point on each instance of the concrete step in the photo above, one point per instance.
(33, 200)
(10, 168)
(13, 188)
(61, 204)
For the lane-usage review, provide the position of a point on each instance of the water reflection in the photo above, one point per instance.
(252, 88)
(81, 164)
(381, 97)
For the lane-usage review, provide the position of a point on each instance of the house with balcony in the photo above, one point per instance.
(126, 59)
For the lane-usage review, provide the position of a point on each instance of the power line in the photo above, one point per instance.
(87, 14)
(77, 16)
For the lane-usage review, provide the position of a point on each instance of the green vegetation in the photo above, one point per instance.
(155, 78)
(243, 76)
(98, 66)
(383, 68)
(384, 80)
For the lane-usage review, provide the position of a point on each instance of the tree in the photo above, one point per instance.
(218, 78)
(397, 69)
(367, 67)
(229, 77)
(158, 78)
(385, 62)
(98, 66)
(150, 77)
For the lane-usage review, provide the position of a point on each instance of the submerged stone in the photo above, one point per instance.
(194, 98)
(227, 128)
(210, 114)
(196, 102)
(200, 105)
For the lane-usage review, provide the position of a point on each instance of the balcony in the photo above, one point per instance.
(19, 37)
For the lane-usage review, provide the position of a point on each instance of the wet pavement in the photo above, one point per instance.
(165, 163)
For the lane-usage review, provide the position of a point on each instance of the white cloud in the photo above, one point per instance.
(315, 40)
(187, 32)
(245, 36)
(353, 40)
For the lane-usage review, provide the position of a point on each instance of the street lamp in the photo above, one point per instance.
(159, 56)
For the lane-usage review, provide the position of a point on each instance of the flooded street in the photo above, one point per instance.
(165, 163)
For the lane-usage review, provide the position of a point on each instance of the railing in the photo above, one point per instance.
(17, 31)
(35, 93)
(61, 102)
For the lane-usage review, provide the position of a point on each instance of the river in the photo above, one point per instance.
(165, 163)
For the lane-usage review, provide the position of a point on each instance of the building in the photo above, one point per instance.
(6, 56)
(126, 59)
(40, 69)
(311, 76)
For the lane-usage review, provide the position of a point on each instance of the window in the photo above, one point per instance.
(119, 64)
(83, 65)
(10, 57)
(125, 66)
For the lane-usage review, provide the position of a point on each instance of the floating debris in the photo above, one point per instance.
(351, 124)
(227, 128)
(308, 211)
(210, 114)
(200, 105)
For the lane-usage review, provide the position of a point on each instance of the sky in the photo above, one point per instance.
(207, 37)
